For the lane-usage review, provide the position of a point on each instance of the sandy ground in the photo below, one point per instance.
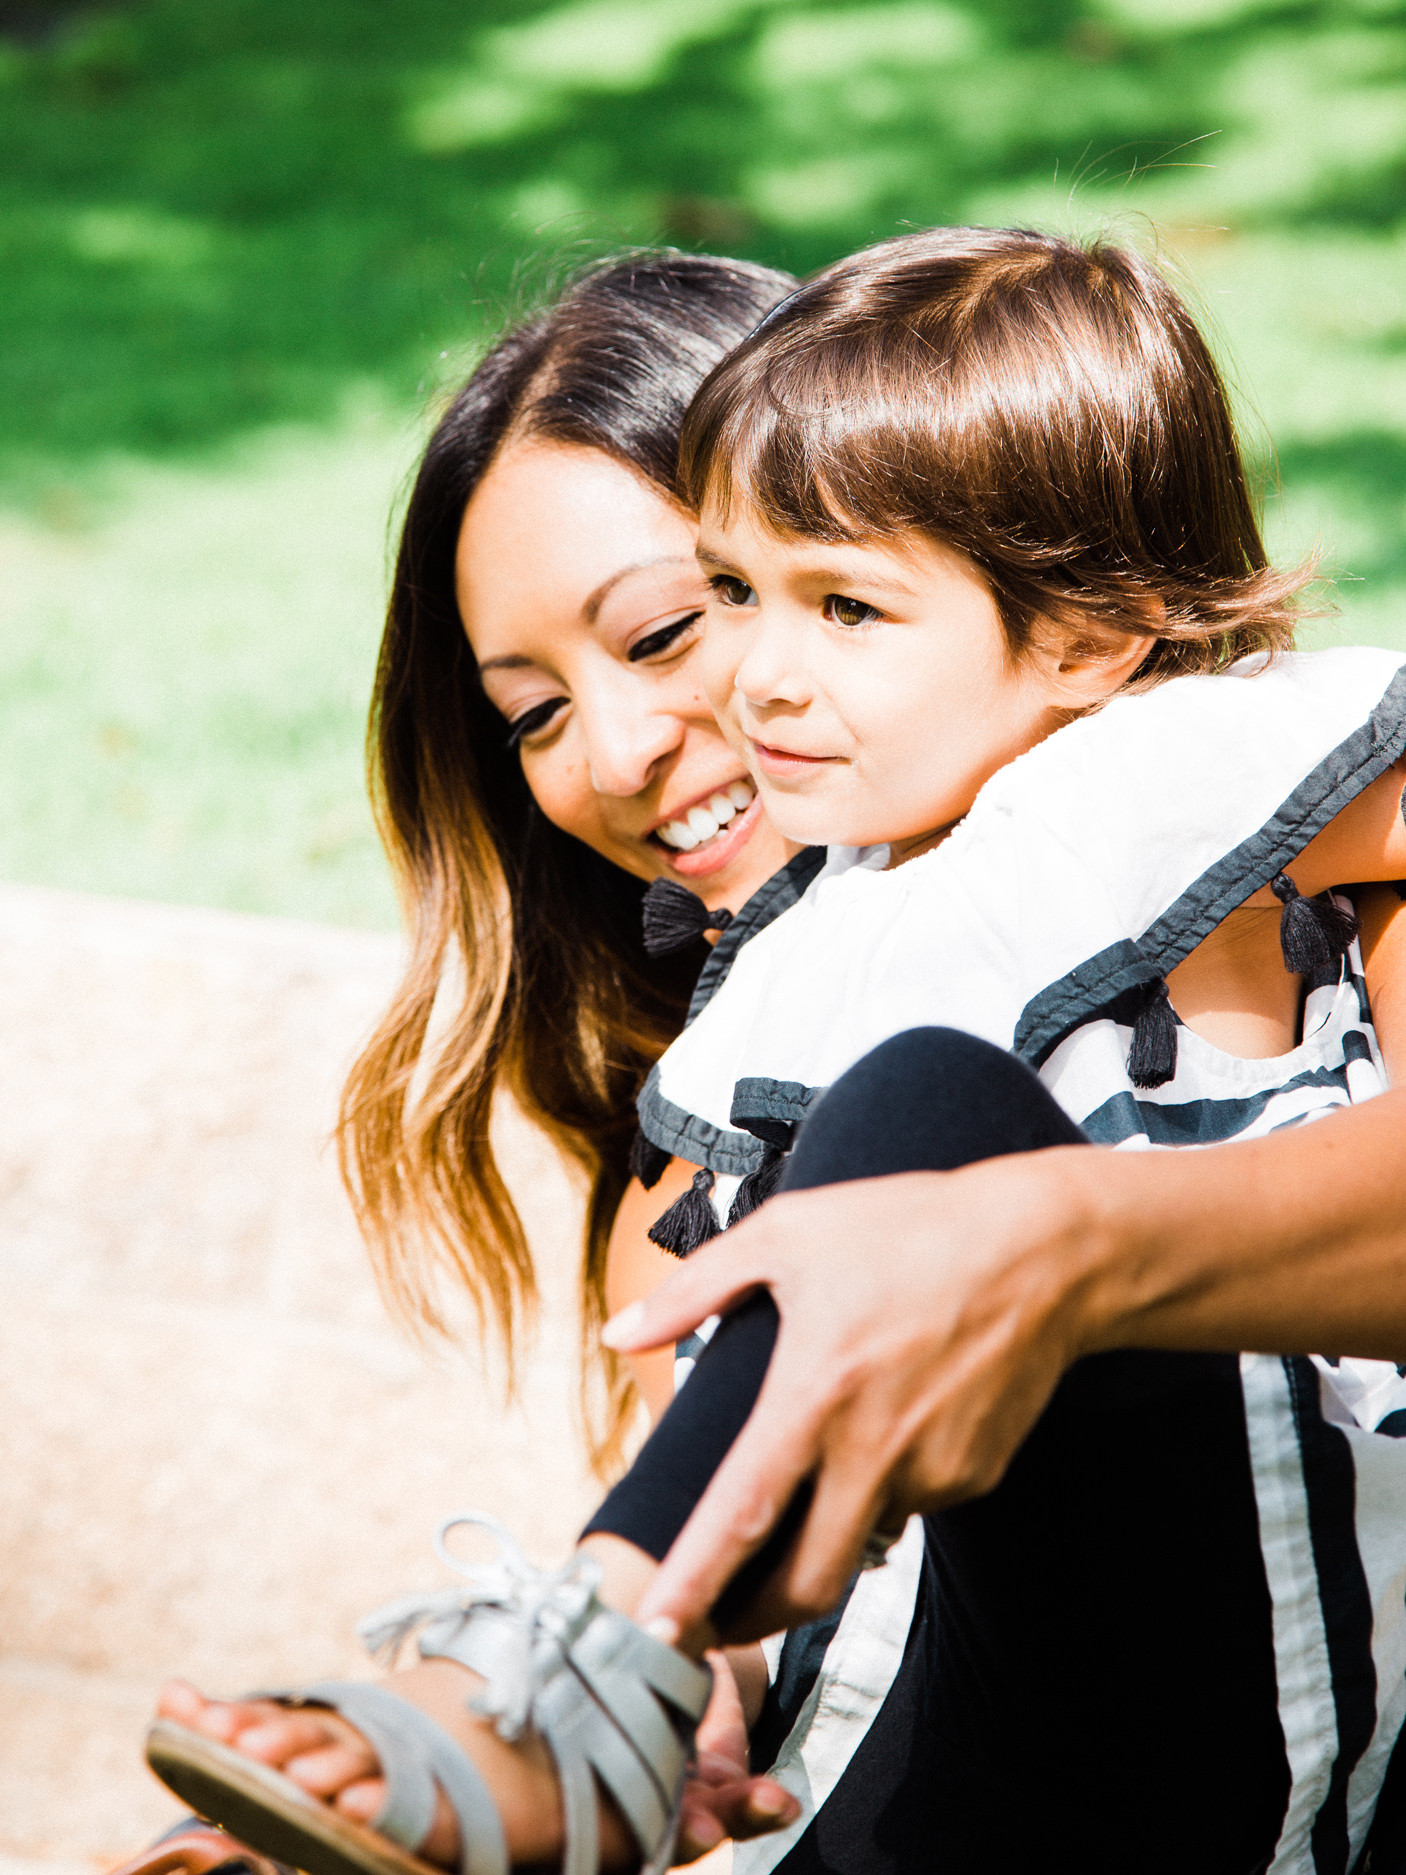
(216, 1451)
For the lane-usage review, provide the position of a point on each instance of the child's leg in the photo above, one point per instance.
(1090, 1678)
(930, 1100)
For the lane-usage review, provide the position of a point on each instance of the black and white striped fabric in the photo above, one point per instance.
(1085, 871)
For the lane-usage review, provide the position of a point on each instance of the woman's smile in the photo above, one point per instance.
(709, 834)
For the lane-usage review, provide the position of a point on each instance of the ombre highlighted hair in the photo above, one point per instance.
(1046, 407)
(524, 944)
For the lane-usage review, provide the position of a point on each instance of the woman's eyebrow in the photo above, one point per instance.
(511, 661)
(595, 600)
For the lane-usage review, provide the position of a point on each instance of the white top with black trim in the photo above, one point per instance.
(1085, 871)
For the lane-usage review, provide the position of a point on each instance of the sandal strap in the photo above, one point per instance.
(417, 1758)
(601, 1710)
(610, 1701)
(623, 1666)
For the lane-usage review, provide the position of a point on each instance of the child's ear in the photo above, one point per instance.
(1087, 664)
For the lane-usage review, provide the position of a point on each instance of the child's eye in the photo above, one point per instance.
(851, 612)
(656, 641)
(732, 591)
(533, 720)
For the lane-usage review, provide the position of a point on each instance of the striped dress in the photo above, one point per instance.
(1084, 873)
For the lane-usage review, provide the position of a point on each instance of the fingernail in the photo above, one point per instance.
(771, 1803)
(623, 1327)
(663, 1628)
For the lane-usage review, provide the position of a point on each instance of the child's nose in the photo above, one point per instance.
(773, 668)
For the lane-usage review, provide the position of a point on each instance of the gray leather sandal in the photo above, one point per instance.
(611, 1703)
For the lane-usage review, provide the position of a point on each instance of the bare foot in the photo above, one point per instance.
(330, 1759)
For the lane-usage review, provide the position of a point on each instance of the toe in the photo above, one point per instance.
(363, 1801)
(327, 1771)
(282, 1736)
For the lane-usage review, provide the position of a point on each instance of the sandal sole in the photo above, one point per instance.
(269, 1811)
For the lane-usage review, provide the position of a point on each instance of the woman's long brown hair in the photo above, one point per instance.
(524, 944)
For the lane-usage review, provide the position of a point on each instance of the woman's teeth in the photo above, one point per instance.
(708, 818)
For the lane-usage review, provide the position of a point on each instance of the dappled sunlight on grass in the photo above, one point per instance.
(217, 220)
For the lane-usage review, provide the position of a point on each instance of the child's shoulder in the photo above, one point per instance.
(1259, 716)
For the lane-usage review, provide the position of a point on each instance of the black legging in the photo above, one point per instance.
(1089, 1680)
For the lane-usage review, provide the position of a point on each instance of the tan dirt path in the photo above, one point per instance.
(214, 1451)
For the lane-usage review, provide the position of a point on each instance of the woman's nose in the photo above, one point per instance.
(626, 738)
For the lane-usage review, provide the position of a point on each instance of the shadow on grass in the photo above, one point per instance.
(220, 216)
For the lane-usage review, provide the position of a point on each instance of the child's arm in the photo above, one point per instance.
(1366, 841)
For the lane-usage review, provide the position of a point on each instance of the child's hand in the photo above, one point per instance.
(722, 1798)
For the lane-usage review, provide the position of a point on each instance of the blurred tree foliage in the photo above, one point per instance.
(219, 213)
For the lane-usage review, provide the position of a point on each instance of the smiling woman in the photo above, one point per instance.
(541, 749)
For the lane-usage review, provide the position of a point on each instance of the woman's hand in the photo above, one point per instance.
(927, 1318)
(924, 1324)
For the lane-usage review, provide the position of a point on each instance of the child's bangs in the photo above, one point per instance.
(819, 444)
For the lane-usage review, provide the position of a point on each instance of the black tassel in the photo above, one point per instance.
(647, 1161)
(674, 917)
(758, 1186)
(689, 1220)
(1152, 1059)
(1312, 931)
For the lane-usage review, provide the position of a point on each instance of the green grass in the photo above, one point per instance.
(244, 243)
(184, 665)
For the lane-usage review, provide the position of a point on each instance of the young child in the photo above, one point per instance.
(993, 621)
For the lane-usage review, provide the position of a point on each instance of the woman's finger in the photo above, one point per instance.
(771, 1457)
(849, 1499)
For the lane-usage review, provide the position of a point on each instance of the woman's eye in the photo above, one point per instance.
(534, 719)
(851, 612)
(732, 591)
(654, 642)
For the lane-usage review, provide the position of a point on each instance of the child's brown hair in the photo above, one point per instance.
(1044, 406)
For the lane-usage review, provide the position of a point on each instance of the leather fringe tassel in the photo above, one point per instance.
(674, 917)
(1152, 1059)
(647, 1161)
(689, 1221)
(1312, 931)
(758, 1186)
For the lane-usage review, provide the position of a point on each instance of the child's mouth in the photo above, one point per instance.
(782, 764)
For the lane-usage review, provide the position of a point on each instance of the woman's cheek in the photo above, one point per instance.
(561, 786)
